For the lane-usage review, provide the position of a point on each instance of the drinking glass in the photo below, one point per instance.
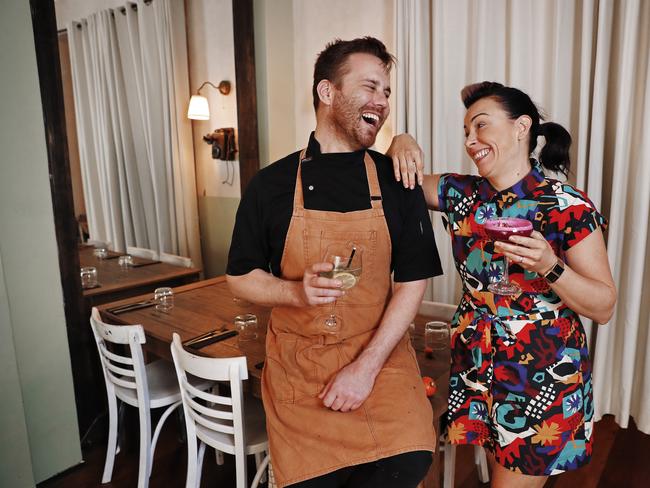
(164, 298)
(436, 337)
(246, 325)
(100, 253)
(88, 277)
(125, 261)
(346, 262)
(500, 229)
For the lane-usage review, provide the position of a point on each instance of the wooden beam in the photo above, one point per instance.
(83, 355)
(249, 159)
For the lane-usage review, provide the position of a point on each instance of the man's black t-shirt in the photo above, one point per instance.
(333, 182)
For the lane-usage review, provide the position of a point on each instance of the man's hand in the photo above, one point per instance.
(318, 290)
(349, 388)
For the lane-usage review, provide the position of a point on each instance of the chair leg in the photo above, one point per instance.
(218, 456)
(156, 433)
(450, 466)
(480, 459)
(241, 474)
(145, 447)
(200, 463)
(192, 460)
(120, 427)
(260, 476)
(112, 439)
(259, 459)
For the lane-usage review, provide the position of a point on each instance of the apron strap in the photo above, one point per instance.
(371, 175)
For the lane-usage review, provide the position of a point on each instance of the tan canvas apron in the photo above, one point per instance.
(307, 439)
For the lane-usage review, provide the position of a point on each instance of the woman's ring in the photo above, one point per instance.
(412, 165)
(521, 259)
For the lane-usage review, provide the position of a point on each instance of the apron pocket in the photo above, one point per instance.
(314, 245)
(278, 382)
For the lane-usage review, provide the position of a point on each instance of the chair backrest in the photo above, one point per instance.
(219, 413)
(176, 260)
(444, 311)
(140, 252)
(126, 371)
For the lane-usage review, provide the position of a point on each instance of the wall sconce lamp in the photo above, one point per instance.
(199, 108)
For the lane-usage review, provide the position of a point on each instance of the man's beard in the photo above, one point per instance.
(347, 121)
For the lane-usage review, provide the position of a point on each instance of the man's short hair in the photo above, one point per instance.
(330, 64)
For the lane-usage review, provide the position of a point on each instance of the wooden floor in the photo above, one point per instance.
(621, 459)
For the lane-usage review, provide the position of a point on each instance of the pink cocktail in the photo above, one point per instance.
(500, 229)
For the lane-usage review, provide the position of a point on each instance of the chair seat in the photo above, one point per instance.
(163, 385)
(254, 425)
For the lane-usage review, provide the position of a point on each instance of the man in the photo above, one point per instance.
(345, 406)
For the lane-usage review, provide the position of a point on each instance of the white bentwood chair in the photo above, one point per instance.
(144, 387)
(176, 260)
(141, 252)
(220, 421)
(446, 312)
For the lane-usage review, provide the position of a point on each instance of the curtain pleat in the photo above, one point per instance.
(130, 76)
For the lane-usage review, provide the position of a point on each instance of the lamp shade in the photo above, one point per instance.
(198, 109)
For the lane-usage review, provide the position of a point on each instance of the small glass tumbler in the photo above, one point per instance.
(436, 337)
(100, 253)
(88, 277)
(164, 298)
(246, 325)
(125, 261)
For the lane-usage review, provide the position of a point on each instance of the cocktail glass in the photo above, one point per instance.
(500, 229)
(346, 262)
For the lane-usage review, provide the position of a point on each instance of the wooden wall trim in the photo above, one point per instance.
(49, 74)
(243, 33)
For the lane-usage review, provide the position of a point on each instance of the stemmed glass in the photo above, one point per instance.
(500, 229)
(346, 262)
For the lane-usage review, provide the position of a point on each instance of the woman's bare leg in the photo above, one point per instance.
(501, 477)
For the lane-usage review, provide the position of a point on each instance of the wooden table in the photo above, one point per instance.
(206, 305)
(117, 283)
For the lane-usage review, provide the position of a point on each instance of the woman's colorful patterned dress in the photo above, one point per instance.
(520, 380)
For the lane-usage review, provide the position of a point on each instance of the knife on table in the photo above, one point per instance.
(211, 339)
(132, 306)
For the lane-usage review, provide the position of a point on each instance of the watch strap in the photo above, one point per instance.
(553, 274)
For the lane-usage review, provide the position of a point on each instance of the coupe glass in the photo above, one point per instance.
(500, 229)
(346, 262)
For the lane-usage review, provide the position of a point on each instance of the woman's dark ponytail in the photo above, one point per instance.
(555, 153)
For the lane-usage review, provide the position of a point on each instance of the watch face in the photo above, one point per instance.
(556, 271)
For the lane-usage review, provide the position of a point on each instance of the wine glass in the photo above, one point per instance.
(500, 229)
(346, 262)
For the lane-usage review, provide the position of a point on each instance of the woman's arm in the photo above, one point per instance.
(408, 164)
(586, 286)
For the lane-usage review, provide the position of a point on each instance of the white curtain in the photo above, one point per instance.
(586, 64)
(130, 83)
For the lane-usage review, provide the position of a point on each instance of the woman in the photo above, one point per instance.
(520, 380)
